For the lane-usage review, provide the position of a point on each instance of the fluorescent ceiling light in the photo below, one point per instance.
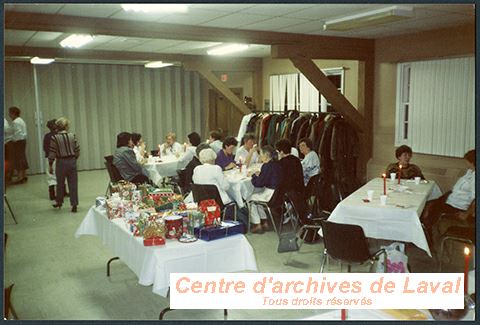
(76, 40)
(227, 49)
(157, 64)
(37, 60)
(166, 7)
(369, 18)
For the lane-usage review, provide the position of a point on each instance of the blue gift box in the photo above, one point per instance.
(228, 228)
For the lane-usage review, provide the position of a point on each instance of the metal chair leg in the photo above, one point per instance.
(108, 264)
(9, 208)
(163, 312)
(323, 260)
(225, 314)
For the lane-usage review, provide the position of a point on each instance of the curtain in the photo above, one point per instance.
(309, 96)
(442, 106)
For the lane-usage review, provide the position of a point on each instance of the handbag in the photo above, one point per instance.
(397, 260)
(288, 243)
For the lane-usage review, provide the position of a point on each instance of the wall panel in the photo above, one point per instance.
(103, 100)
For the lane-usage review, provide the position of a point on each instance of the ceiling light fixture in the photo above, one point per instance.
(37, 60)
(228, 49)
(369, 18)
(166, 7)
(76, 40)
(157, 64)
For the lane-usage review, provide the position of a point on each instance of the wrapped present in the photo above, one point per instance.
(211, 210)
(174, 225)
(198, 219)
(124, 188)
(227, 228)
(154, 241)
(115, 207)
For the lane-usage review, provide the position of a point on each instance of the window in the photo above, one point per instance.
(294, 91)
(435, 111)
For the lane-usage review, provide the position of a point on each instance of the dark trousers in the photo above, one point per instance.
(67, 169)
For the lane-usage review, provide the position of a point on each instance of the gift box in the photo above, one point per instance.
(227, 228)
(155, 241)
(124, 188)
(211, 210)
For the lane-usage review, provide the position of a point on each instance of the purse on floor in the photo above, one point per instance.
(288, 242)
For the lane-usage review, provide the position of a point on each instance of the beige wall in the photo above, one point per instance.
(444, 170)
(285, 66)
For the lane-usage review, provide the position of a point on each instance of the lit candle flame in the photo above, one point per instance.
(466, 250)
(384, 175)
(400, 166)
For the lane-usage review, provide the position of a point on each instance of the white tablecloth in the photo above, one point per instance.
(399, 220)
(167, 167)
(153, 265)
(241, 187)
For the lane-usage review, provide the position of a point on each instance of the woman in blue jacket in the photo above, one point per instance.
(265, 183)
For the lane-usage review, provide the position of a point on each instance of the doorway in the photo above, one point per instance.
(222, 114)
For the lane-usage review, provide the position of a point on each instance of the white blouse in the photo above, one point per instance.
(463, 193)
(216, 145)
(310, 165)
(19, 129)
(242, 153)
(171, 151)
(212, 174)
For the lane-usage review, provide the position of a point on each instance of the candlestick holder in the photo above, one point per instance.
(455, 314)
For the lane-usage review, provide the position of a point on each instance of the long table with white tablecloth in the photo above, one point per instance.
(398, 220)
(153, 265)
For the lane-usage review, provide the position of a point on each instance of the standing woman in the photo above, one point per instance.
(64, 150)
(19, 139)
(51, 178)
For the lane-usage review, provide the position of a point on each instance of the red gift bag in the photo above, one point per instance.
(211, 210)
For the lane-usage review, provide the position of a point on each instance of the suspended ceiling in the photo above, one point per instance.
(203, 25)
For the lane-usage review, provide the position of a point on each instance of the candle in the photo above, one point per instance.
(399, 173)
(344, 314)
(184, 147)
(158, 150)
(384, 184)
(467, 264)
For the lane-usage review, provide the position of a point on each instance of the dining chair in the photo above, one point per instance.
(464, 234)
(347, 244)
(113, 172)
(202, 192)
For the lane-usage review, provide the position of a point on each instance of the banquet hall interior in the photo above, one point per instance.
(359, 85)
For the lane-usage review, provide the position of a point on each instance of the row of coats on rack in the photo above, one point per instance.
(335, 141)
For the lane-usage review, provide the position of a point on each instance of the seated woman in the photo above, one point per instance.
(192, 164)
(408, 171)
(291, 176)
(247, 154)
(209, 173)
(459, 202)
(225, 156)
(265, 183)
(215, 141)
(311, 163)
(138, 147)
(194, 140)
(125, 161)
(171, 147)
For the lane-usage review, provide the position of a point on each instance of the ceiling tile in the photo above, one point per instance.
(16, 37)
(47, 39)
(90, 10)
(43, 8)
(467, 9)
(192, 17)
(224, 7)
(277, 9)
(323, 11)
(235, 20)
(98, 40)
(120, 44)
(156, 45)
(274, 24)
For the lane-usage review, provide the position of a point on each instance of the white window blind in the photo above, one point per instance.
(435, 106)
(292, 91)
(308, 96)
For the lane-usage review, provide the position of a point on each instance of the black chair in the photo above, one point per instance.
(347, 244)
(210, 192)
(464, 234)
(113, 172)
